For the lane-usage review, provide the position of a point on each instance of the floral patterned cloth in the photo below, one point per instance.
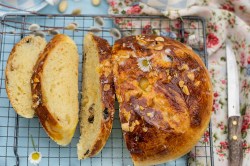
(226, 20)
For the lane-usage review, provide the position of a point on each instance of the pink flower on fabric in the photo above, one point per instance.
(246, 123)
(212, 40)
(231, 21)
(244, 85)
(206, 137)
(242, 7)
(221, 126)
(246, 146)
(224, 145)
(112, 3)
(216, 94)
(242, 59)
(227, 7)
(215, 27)
(136, 9)
(224, 81)
(147, 29)
(243, 45)
(129, 24)
(177, 24)
(118, 20)
(221, 155)
(248, 60)
(215, 106)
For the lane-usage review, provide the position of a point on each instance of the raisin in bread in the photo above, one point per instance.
(18, 73)
(97, 110)
(165, 97)
(55, 89)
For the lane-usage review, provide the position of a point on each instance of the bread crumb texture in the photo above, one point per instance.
(55, 89)
(97, 111)
(19, 70)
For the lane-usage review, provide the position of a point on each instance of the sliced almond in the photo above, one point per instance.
(119, 98)
(158, 47)
(34, 85)
(141, 107)
(169, 78)
(190, 75)
(159, 39)
(181, 83)
(106, 87)
(127, 96)
(185, 90)
(197, 83)
(150, 114)
(36, 80)
(167, 71)
(183, 67)
(107, 73)
(143, 83)
(127, 115)
(149, 88)
(142, 42)
(34, 96)
(145, 129)
(107, 64)
(132, 127)
(125, 127)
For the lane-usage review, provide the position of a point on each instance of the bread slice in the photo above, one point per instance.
(165, 96)
(18, 73)
(55, 89)
(97, 110)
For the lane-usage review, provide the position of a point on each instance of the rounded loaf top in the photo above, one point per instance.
(165, 97)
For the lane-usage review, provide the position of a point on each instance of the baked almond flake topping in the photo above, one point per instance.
(185, 90)
(190, 75)
(144, 83)
(159, 39)
(166, 58)
(167, 51)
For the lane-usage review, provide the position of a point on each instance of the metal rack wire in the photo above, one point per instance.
(15, 131)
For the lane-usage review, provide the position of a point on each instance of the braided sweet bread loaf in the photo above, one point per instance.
(165, 97)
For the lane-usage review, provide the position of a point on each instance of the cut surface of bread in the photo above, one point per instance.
(18, 73)
(55, 89)
(165, 96)
(97, 111)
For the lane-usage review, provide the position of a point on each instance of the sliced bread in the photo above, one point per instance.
(55, 89)
(18, 73)
(97, 110)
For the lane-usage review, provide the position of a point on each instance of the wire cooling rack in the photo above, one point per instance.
(15, 131)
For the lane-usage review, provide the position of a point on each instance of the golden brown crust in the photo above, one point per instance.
(107, 90)
(165, 108)
(48, 121)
